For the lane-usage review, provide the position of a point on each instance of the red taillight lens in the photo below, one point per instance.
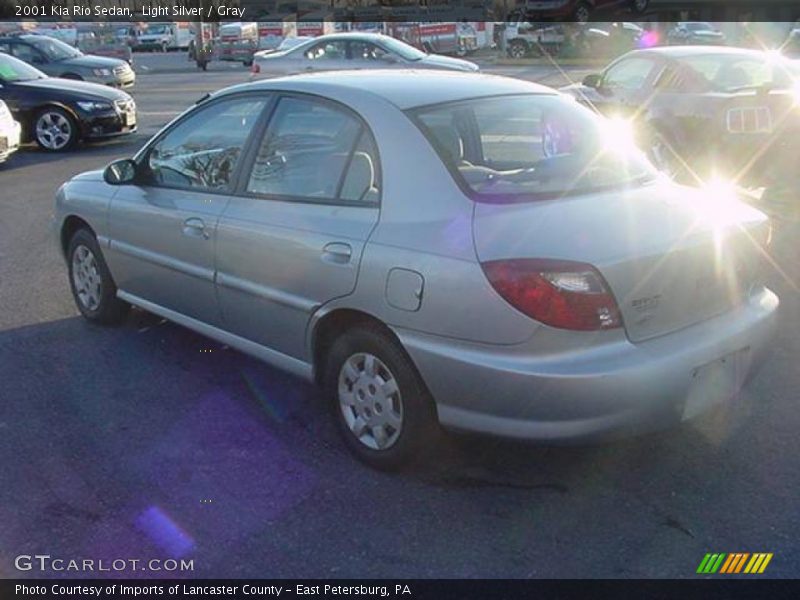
(563, 294)
(255, 68)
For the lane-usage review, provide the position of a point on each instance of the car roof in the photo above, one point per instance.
(364, 36)
(678, 52)
(405, 88)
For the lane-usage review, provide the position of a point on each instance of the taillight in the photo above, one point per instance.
(255, 68)
(563, 294)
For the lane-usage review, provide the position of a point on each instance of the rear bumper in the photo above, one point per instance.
(596, 392)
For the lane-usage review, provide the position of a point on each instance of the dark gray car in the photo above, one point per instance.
(57, 59)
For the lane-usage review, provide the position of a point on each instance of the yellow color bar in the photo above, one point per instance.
(753, 564)
(765, 563)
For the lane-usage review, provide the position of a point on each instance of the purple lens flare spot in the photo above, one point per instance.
(164, 532)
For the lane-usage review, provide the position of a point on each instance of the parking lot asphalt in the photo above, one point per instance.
(149, 441)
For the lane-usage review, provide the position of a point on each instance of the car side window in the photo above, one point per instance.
(367, 51)
(361, 182)
(334, 50)
(314, 150)
(26, 53)
(629, 74)
(202, 151)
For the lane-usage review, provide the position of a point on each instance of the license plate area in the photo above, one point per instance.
(3, 143)
(129, 119)
(716, 382)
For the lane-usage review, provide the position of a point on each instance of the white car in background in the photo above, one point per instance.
(10, 132)
(348, 51)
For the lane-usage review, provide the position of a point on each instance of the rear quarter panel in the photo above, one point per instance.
(425, 226)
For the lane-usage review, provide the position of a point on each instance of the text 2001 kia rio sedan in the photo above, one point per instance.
(432, 248)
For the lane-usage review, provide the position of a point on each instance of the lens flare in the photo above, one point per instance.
(619, 134)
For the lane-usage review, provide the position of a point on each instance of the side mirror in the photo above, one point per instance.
(120, 172)
(592, 81)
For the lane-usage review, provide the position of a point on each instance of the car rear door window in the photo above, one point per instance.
(368, 51)
(308, 151)
(335, 50)
(361, 182)
(203, 150)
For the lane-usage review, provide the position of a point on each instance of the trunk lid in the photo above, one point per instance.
(672, 256)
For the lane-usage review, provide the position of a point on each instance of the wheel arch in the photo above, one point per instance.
(69, 226)
(34, 113)
(327, 327)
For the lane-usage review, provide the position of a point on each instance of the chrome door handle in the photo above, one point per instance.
(195, 227)
(337, 252)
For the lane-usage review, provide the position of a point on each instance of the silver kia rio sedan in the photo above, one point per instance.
(433, 249)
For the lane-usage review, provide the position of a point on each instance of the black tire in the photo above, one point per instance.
(109, 310)
(419, 424)
(56, 116)
(639, 6)
(517, 49)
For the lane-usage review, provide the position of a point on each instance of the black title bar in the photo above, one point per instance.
(232, 589)
(390, 10)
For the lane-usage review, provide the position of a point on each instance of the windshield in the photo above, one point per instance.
(13, 69)
(730, 72)
(517, 148)
(54, 49)
(402, 49)
(157, 30)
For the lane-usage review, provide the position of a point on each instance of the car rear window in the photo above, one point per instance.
(528, 147)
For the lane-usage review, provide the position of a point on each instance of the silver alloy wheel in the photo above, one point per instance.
(53, 130)
(370, 401)
(518, 50)
(86, 278)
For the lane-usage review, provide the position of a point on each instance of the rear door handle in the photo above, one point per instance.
(337, 252)
(195, 227)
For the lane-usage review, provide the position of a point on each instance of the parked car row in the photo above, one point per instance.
(57, 113)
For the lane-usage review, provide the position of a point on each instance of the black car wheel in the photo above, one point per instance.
(93, 288)
(639, 6)
(382, 407)
(54, 129)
